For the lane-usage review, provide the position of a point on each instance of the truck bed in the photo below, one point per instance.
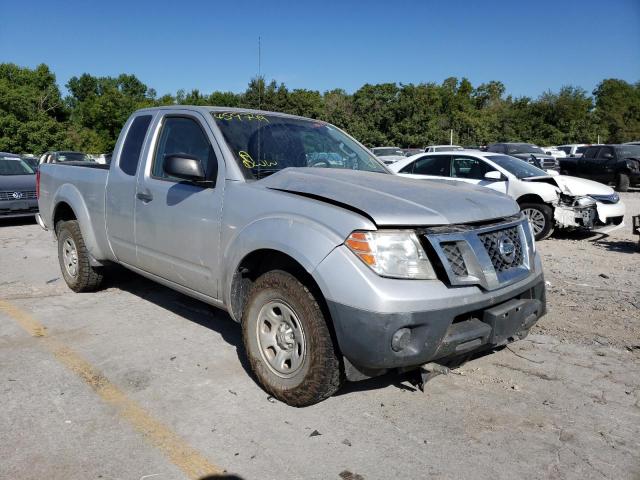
(81, 185)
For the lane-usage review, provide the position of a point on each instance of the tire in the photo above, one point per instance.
(622, 182)
(74, 259)
(540, 217)
(282, 317)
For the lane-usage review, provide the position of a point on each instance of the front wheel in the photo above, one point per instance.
(288, 341)
(541, 218)
(622, 182)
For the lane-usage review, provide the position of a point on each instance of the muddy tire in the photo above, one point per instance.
(74, 259)
(541, 218)
(288, 342)
(622, 182)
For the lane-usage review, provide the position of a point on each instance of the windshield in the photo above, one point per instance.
(73, 157)
(517, 167)
(386, 152)
(523, 148)
(629, 151)
(263, 144)
(14, 166)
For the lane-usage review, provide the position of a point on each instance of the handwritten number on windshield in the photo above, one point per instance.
(249, 162)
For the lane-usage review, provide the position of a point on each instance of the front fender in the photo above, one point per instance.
(305, 241)
(69, 194)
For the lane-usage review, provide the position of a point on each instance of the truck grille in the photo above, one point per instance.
(18, 195)
(491, 256)
(454, 257)
(492, 242)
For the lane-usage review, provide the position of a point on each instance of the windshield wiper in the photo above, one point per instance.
(264, 172)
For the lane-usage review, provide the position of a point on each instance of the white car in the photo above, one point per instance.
(442, 148)
(388, 155)
(554, 152)
(548, 200)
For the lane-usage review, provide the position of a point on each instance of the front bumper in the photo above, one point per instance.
(18, 208)
(367, 338)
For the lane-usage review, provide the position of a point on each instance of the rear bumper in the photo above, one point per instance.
(372, 340)
(18, 208)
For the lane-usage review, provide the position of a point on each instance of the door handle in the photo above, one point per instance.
(146, 197)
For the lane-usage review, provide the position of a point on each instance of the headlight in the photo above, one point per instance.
(392, 253)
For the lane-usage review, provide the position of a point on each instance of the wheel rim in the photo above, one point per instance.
(281, 339)
(536, 218)
(70, 257)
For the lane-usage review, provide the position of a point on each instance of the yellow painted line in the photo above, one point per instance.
(189, 460)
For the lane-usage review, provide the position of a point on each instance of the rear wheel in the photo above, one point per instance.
(541, 218)
(75, 260)
(622, 182)
(288, 341)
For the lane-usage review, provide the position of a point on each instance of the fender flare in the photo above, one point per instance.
(307, 242)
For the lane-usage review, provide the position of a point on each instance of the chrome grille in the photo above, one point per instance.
(454, 257)
(26, 195)
(499, 260)
(491, 256)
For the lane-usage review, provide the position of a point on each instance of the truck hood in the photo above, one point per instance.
(575, 186)
(9, 183)
(390, 200)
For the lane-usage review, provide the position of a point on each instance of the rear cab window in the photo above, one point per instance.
(130, 155)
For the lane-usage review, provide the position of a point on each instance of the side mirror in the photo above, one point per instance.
(494, 176)
(183, 166)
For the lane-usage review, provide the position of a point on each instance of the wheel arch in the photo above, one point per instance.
(70, 205)
(531, 198)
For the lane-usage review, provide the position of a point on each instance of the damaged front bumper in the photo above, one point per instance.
(585, 212)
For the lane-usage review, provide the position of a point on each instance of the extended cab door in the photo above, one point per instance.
(178, 222)
(121, 187)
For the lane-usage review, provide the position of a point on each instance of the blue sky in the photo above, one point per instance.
(530, 46)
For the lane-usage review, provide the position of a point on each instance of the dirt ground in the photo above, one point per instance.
(594, 285)
(137, 381)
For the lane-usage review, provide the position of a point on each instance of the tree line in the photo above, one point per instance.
(35, 116)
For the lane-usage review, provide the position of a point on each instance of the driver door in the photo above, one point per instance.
(177, 223)
(472, 170)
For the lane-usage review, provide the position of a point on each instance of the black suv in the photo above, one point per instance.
(527, 152)
(619, 164)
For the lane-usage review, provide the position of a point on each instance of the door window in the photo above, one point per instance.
(469, 167)
(605, 153)
(591, 152)
(130, 156)
(435, 165)
(183, 136)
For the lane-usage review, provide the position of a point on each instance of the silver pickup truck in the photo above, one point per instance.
(334, 267)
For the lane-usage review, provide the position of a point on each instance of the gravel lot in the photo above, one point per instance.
(137, 381)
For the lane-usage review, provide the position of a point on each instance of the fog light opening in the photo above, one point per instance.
(401, 339)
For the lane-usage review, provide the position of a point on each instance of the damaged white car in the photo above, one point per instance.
(550, 201)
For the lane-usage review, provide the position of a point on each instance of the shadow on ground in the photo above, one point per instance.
(17, 222)
(186, 307)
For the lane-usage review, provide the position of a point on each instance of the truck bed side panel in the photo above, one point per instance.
(82, 189)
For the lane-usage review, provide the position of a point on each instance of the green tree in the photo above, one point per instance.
(31, 110)
(618, 110)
